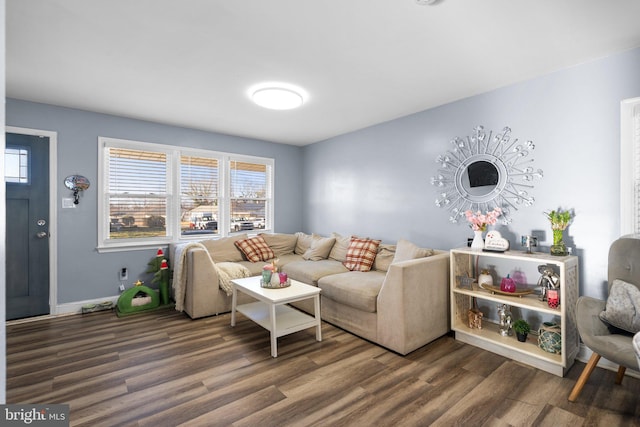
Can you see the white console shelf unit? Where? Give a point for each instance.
(463, 262)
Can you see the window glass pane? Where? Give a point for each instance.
(16, 165)
(248, 195)
(199, 195)
(137, 194)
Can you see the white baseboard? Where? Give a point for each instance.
(67, 309)
(584, 354)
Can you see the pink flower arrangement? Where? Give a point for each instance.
(479, 221)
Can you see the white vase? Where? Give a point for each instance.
(478, 241)
(485, 278)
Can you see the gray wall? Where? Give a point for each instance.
(376, 182)
(85, 274)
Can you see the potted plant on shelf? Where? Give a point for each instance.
(522, 328)
(560, 220)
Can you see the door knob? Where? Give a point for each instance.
(42, 234)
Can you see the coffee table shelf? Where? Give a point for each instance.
(289, 320)
(271, 310)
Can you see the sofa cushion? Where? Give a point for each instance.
(303, 241)
(623, 307)
(361, 254)
(405, 250)
(319, 248)
(384, 258)
(310, 272)
(280, 244)
(255, 249)
(356, 289)
(224, 250)
(340, 247)
(256, 267)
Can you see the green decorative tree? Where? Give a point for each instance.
(160, 269)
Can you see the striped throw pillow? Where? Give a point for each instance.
(255, 249)
(361, 254)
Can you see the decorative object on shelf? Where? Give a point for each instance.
(77, 184)
(475, 316)
(550, 338)
(522, 329)
(553, 298)
(485, 278)
(517, 293)
(465, 282)
(478, 223)
(548, 280)
(160, 269)
(560, 220)
(483, 171)
(528, 242)
(504, 314)
(495, 243)
(478, 242)
(507, 285)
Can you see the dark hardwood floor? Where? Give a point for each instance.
(163, 369)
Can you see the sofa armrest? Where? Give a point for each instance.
(413, 303)
(201, 292)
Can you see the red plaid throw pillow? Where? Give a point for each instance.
(255, 249)
(361, 254)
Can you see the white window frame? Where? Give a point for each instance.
(174, 234)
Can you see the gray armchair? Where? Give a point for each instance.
(624, 264)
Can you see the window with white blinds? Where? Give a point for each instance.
(630, 167)
(199, 195)
(249, 184)
(137, 193)
(153, 193)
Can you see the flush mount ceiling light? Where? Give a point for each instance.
(277, 96)
(426, 2)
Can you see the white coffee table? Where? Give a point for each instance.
(271, 311)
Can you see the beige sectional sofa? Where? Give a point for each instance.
(401, 303)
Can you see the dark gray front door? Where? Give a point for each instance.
(27, 232)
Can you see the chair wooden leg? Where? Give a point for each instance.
(584, 376)
(621, 371)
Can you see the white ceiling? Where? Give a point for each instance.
(190, 62)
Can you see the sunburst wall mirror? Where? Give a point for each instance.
(483, 171)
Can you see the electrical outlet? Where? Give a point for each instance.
(121, 287)
(124, 274)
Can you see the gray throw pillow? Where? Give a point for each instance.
(405, 250)
(623, 307)
(319, 249)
